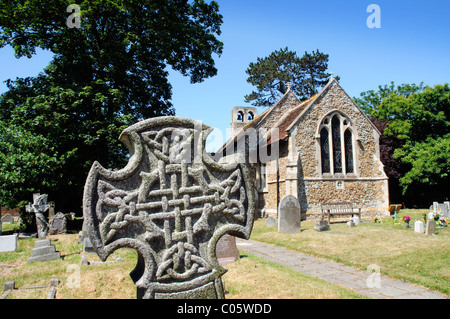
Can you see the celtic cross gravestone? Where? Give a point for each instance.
(171, 203)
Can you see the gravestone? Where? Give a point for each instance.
(171, 203)
(43, 250)
(321, 225)
(431, 227)
(39, 207)
(51, 210)
(226, 250)
(8, 243)
(58, 224)
(270, 222)
(87, 246)
(418, 227)
(444, 208)
(289, 215)
(7, 219)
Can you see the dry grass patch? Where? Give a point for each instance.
(255, 278)
(400, 252)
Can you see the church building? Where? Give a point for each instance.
(322, 150)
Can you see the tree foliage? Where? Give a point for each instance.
(104, 76)
(271, 76)
(417, 122)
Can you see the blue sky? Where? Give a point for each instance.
(412, 46)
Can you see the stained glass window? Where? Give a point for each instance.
(325, 150)
(348, 144)
(337, 150)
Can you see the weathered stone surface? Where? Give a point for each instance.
(289, 215)
(171, 203)
(226, 250)
(58, 224)
(43, 250)
(39, 207)
(8, 243)
(321, 225)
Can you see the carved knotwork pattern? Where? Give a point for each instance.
(173, 204)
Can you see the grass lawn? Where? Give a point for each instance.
(399, 252)
(250, 277)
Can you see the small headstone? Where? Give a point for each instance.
(351, 223)
(289, 215)
(418, 227)
(43, 250)
(7, 219)
(356, 220)
(226, 250)
(321, 225)
(445, 209)
(51, 210)
(87, 246)
(431, 227)
(58, 224)
(9, 285)
(270, 222)
(8, 243)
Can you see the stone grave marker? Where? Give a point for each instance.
(289, 215)
(7, 219)
(444, 208)
(43, 249)
(51, 210)
(226, 250)
(321, 225)
(8, 243)
(58, 224)
(431, 227)
(39, 207)
(418, 227)
(171, 203)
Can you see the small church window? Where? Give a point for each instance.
(240, 117)
(250, 116)
(348, 145)
(325, 150)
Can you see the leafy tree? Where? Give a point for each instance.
(105, 75)
(421, 121)
(416, 133)
(272, 74)
(369, 101)
(23, 156)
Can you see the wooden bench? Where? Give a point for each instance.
(331, 209)
(394, 208)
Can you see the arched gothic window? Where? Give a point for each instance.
(336, 145)
(325, 150)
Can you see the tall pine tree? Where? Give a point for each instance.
(271, 75)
